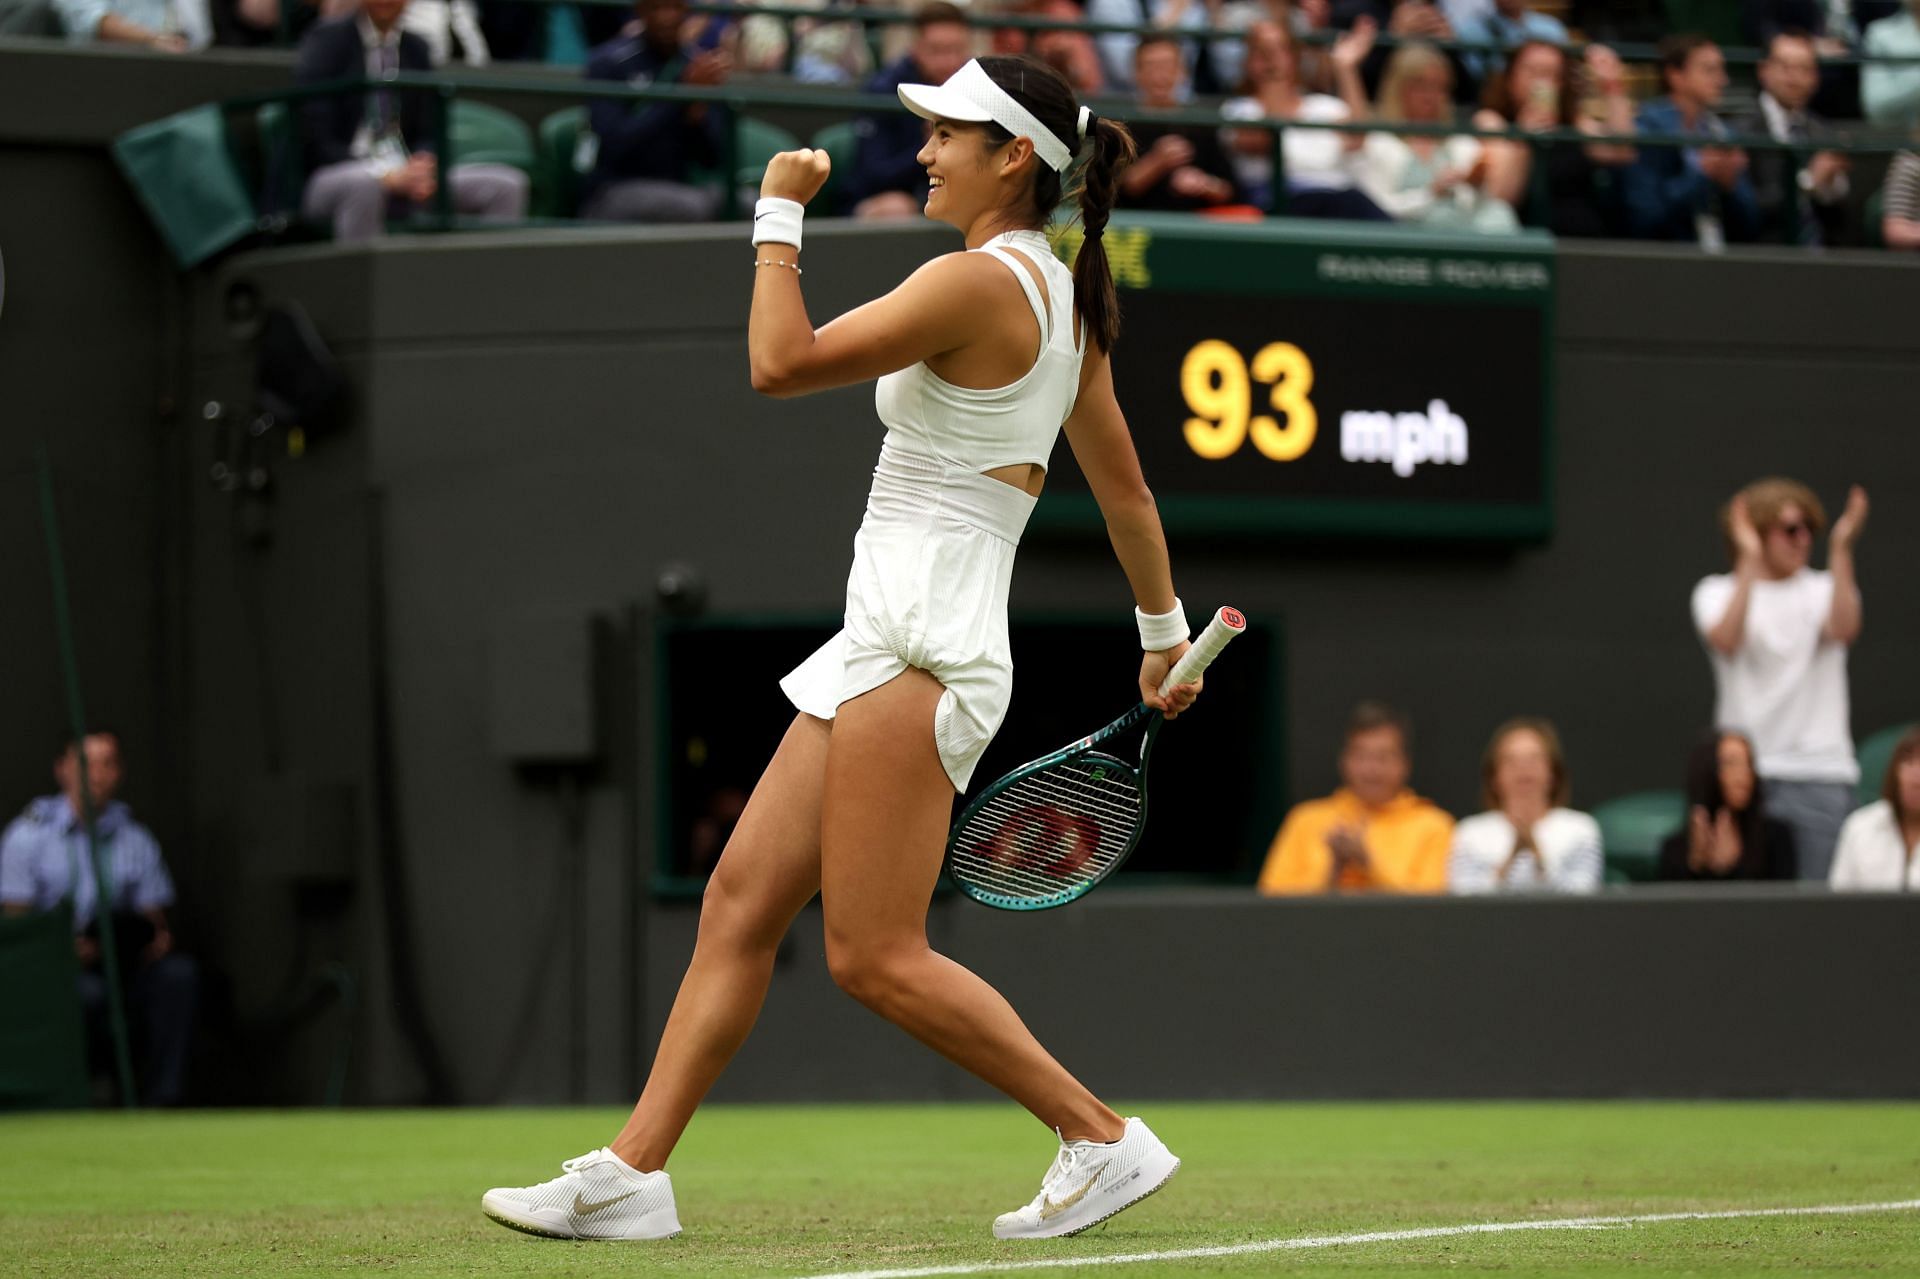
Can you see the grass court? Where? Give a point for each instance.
(809, 1190)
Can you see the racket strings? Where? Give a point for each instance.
(1050, 834)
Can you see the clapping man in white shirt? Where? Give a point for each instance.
(1777, 633)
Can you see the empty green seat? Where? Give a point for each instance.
(1632, 828)
(755, 142)
(1874, 755)
(480, 134)
(563, 163)
(840, 142)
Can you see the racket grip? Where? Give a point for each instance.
(1226, 624)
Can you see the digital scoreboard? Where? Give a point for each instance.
(1292, 377)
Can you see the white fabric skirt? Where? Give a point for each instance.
(931, 567)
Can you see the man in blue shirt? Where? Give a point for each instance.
(887, 179)
(647, 150)
(1695, 193)
(43, 861)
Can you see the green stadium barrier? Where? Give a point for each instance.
(43, 1052)
(1874, 755)
(1632, 828)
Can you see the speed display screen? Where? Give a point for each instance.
(1292, 381)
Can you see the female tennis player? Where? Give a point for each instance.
(895, 710)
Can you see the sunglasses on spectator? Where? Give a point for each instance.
(1795, 530)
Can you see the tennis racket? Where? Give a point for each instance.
(1049, 831)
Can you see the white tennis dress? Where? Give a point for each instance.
(934, 555)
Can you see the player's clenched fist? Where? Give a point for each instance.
(796, 175)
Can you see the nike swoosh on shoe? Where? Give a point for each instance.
(582, 1208)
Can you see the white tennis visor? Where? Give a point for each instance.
(970, 95)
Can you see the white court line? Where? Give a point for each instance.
(1376, 1236)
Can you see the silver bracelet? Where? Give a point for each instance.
(778, 262)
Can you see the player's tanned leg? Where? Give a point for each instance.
(883, 829)
(770, 869)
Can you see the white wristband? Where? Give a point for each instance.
(1161, 631)
(777, 221)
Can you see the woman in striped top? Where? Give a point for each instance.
(1900, 219)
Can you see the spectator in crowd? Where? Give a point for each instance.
(1506, 24)
(1834, 27)
(1071, 53)
(1528, 839)
(1900, 198)
(1438, 182)
(369, 154)
(1319, 169)
(1536, 94)
(1372, 833)
(647, 151)
(1406, 20)
(1698, 193)
(1801, 197)
(888, 180)
(1878, 843)
(1777, 633)
(824, 51)
(44, 861)
(1181, 166)
(1728, 834)
(1890, 92)
(1119, 51)
(165, 26)
(448, 26)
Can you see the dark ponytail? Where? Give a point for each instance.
(1110, 148)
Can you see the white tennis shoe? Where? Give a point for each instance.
(1090, 1181)
(597, 1196)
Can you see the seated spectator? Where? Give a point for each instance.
(447, 26)
(1777, 633)
(888, 181)
(368, 155)
(1438, 182)
(1801, 197)
(1900, 214)
(1528, 839)
(1507, 24)
(44, 862)
(647, 151)
(823, 51)
(1318, 163)
(1371, 834)
(165, 26)
(1071, 53)
(1890, 92)
(1834, 27)
(1536, 94)
(1119, 51)
(1728, 834)
(1181, 167)
(1878, 843)
(1699, 193)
